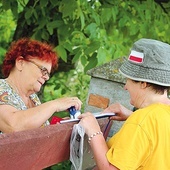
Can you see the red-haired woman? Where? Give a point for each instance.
(26, 67)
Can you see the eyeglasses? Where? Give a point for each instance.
(43, 70)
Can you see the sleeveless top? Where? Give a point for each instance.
(8, 96)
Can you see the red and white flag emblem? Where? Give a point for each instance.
(136, 57)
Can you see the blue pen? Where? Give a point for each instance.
(72, 111)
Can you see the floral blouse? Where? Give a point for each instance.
(8, 96)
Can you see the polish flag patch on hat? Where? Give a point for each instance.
(136, 57)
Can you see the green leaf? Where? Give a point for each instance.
(55, 24)
(101, 55)
(57, 86)
(82, 19)
(14, 8)
(114, 12)
(134, 29)
(122, 22)
(106, 15)
(35, 14)
(43, 3)
(92, 47)
(61, 52)
(77, 56)
(83, 60)
(68, 8)
(6, 4)
(68, 46)
(63, 91)
(42, 22)
(91, 28)
(28, 13)
(50, 30)
(54, 2)
(148, 15)
(2, 53)
(92, 62)
(45, 35)
(96, 17)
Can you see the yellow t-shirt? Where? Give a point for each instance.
(143, 142)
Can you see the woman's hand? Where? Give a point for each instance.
(66, 102)
(89, 122)
(122, 113)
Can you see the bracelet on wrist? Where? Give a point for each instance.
(93, 135)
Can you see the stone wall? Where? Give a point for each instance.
(107, 87)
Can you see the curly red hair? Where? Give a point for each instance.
(29, 48)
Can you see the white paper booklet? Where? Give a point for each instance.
(97, 116)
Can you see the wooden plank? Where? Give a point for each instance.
(38, 148)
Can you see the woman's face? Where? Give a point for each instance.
(36, 72)
(134, 90)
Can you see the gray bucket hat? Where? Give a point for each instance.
(149, 61)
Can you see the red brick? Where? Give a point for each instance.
(98, 101)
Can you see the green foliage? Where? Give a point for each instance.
(109, 29)
(93, 30)
(63, 84)
(7, 28)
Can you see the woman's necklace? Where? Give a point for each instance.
(28, 101)
(10, 82)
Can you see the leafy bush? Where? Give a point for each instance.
(72, 83)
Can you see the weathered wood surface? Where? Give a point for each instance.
(38, 148)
